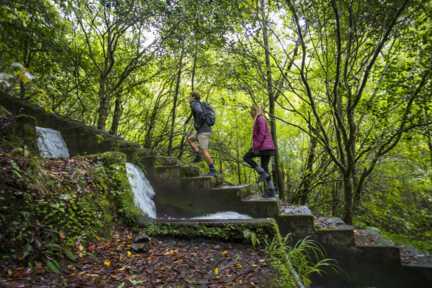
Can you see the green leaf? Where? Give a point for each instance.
(70, 255)
(53, 266)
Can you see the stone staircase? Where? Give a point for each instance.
(182, 192)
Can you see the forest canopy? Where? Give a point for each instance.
(346, 87)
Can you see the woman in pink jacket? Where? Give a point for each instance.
(263, 147)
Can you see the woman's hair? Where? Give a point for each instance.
(195, 95)
(256, 110)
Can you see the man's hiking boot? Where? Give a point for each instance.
(197, 158)
(211, 173)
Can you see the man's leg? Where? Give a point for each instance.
(192, 140)
(203, 140)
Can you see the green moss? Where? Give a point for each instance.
(4, 113)
(41, 209)
(112, 178)
(255, 233)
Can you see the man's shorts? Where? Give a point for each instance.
(202, 139)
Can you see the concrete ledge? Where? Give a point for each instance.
(342, 236)
(260, 207)
(198, 183)
(382, 254)
(189, 171)
(167, 172)
(421, 271)
(299, 226)
(227, 230)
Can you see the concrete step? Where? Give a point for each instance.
(189, 171)
(167, 172)
(333, 231)
(241, 191)
(198, 197)
(198, 183)
(259, 207)
(166, 161)
(295, 220)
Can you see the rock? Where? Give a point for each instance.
(296, 210)
(142, 238)
(140, 247)
(141, 243)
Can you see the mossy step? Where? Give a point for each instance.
(228, 230)
(240, 190)
(167, 172)
(189, 171)
(198, 182)
(260, 207)
(166, 161)
(298, 225)
(340, 236)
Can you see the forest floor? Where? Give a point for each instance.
(167, 263)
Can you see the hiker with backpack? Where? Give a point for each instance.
(263, 147)
(204, 117)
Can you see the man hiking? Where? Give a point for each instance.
(204, 117)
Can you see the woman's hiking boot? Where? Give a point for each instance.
(264, 176)
(270, 192)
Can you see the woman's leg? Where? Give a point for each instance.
(265, 159)
(248, 159)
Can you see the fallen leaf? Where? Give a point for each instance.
(216, 271)
(107, 263)
(91, 247)
(129, 253)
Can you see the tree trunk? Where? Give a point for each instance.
(194, 61)
(348, 196)
(307, 173)
(118, 110)
(103, 106)
(335, 198)
(276, 169)
(174, 109)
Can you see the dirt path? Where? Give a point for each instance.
(168, 263)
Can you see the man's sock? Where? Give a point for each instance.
(211, 167)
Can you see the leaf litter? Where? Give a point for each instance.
(168, 263)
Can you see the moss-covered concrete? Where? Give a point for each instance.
(258, 231)
(18, 132)
(80, 139)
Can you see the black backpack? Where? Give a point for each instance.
(209, 115)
